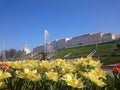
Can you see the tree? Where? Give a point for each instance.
(118, 46)
(19, 54)
(4, 54)
(12, 52)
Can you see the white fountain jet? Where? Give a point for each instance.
(4, 53)
(48, 49)
(46, 40)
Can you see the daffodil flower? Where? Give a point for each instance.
(4, 75)
(28, 74)
(72, 81)
(52, 76)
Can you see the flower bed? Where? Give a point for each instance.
(80, 74)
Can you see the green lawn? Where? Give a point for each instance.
(105, 52)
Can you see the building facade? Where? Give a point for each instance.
(26, 49)
(107, 37)
(82, 40)
(38, 49)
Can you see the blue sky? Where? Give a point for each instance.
(24, 21)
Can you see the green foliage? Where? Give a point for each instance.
(118, 46)
(105, 52)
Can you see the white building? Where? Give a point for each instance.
(92, 38)
(76, 41)
(62, 43)
(107, 37)
(26, 49)
(38, 49)
(96, 37)
(87, 39)
(117, 36)
(82, 40)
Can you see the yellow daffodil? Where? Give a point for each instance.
(100, 73)
(45, 65)
(15, 65)
(95, 75)
(23, 64)
(4, 75)
(67, 68)
(26, 70)
(77, 62)
(28, 74)
(94, 63)
(29, 64)
(72, 80)
(2, 85)
(52, 76)
(97, 81)
(75, 73)
(57, 62)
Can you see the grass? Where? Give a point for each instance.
(105, 52)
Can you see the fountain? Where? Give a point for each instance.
(44, 54)
(3, 53)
